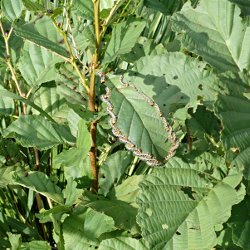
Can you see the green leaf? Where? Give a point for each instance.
(40, 183)
(48, 98)
(32, 6)
(174, 81)
(75, 160)
(122, 243)
(28, 32)
(6, 174)
(12, 10)
(113, 170)
(120, 204)
(166, 8)
(5, 93)
(235, 115)
(6, 104)
(240, 224)
(35, 131)
(215, 31)
(35, 245)
(37, 64)
(46, 28)
(137, 121)
(71, 193)
(15, 240)
(89, 225)
(123, 213)
(124, 38)
(179, 206)
(244, 5)
(84, 8)
(204, 123)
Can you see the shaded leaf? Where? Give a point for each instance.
(28, 32)
(84, 8)
(113, 169)
(244, 5)
(240, 224)
(5, 93)
(35, 245)
(71, 193)
(12, 10)
(75, 160)
(124, 37)
(174, 81)
(40, 183)
(6, 104)
(120, 204)
(35, 131)
(221, 39)
(89, 225)
(235, 114)
(167, 8)
(32, 6)
(37, 64)
(48, 98)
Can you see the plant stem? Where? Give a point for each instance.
(92, 152)
(72, 60)
(6, 37)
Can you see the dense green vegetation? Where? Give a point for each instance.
(124, 124)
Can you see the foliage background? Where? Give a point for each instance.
(192, 58)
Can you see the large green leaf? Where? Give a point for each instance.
(35, 131)
(215, 31)
(12, 9)
(181, 205)
(119, 204)
(40, 183)
(37, 64)
(137, 121)
(124, 37)
(28, 32)
(5, 93)
(240, 224)
(113, 169)
(6, 104)
(46, 28)
(75, 160)
(173, 81)
(235, 114)
(122, 243)
(48, 98)
(83, 228)
(84, 8)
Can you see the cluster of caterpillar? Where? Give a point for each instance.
(147, 157)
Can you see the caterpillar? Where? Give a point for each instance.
(145, 156)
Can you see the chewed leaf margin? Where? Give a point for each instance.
(145, 156)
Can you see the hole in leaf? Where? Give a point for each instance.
(175, 77)
(178, 233)
(188, 191)
(200, 86)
